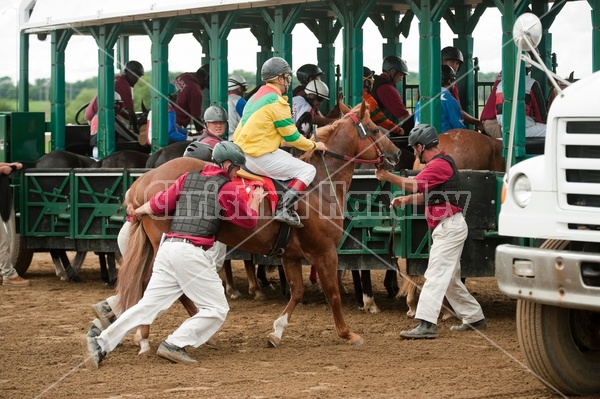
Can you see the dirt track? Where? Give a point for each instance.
(41, 330)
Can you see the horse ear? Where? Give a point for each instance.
(363, 109)
(144, 109)
(571, 78)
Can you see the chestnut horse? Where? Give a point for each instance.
(350, 140)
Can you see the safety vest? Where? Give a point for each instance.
(447, 191)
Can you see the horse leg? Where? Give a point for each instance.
(230, 289)
(390, 282)
(327, 272)
(253, 286)
(62, 254)
(103, 268)
(141, 338)
(368, 299)
(78, 260)
(261, 275)
(409, 289)
(358, 291)
(292, 275)
(112, 268)
(285, 288)
(58, 267)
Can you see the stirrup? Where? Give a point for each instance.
(290, 218)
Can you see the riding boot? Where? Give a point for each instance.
(285, 212)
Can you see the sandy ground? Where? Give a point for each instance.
(41, 330)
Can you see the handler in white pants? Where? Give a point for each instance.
(436, 186)
(199, 202)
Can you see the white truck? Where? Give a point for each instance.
(555, 199)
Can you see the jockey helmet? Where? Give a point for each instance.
(198, 150)
(308, 71)
(368, 73)
(228, 150)
(394, 62)
(423, 134)
(135, 68)
(318, 88)
(215, 113)
(235, 82)
(273, 68)
(452, 53)
(448, 75)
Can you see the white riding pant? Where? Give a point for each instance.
(179, 268)
(281, 165)
(443, 274)
(532, 128)
(6, 268)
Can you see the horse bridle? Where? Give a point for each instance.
(381, 159)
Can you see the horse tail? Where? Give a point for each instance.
(6, 203)
(137, 265)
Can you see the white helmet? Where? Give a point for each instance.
(317, 87)
(236, 81)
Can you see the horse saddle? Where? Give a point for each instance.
(248, 181)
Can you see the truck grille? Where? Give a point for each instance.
(581, 164)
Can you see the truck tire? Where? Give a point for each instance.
(20, 256)
(562, 346)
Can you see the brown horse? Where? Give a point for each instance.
(470, 150)
(350, 140)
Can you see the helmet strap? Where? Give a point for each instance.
(230, 167)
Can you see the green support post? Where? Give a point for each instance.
(60, 39)
(326, 31)
(264, 37)
(161, 32)
(106, 37)
(217, 30)
(23, 72)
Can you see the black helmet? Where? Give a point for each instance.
(448, 75)
(198, 150)
(368, 73)
(423, 134)
(228, 150)
(274, 67)
(394, 62)
(452, 53)
(307, 71)
(134, 67)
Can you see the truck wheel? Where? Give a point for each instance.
(20, 256)
(562, 346)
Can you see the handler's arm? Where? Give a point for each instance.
(404, 183)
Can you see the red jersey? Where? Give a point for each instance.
(436, 172)
(390, 99)
(189, 99)
(122, 87)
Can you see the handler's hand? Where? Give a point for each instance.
(382, 174)
(400, 201)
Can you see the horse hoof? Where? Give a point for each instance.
(144, 347)
(374, 309)
(212, 343)
(357, 341)
(411, 313)
(260, 296)
(235, 294)
(273, 340)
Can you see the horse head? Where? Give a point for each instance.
(356, 139)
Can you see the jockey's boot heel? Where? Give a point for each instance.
(285, 212)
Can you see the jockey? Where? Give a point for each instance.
(451, 113)
(176, 132)
(216, 123)
(376, 114)
(315, 93)
(384, 88)
(236, 87)
(306, 73)
(453, 57)
(266, 123)
(535, 115)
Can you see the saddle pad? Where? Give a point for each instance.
(247, 186)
